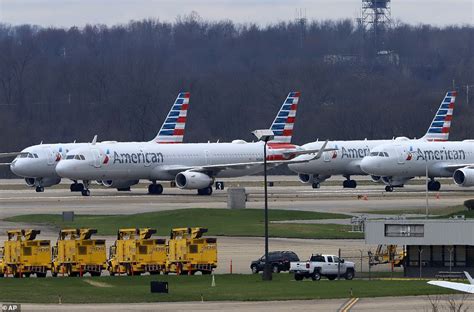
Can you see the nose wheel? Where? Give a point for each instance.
(85, 191)
(76, 187)
(434, 186)
(155, 189)
(316, 185)
(388, 188)
(349, 183)
(39, 189)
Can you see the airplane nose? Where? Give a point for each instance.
(19, 168)
(64, 169)
(367, 165)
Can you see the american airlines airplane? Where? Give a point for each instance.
(346, 159)
(417, 158)
(190, 165)
(37, 164)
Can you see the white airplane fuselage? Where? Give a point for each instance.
(412, 158)
(343, 161)
(153, 161)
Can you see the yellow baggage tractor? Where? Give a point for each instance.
(24, 255)
(135, 252)
(76, 253)
(189, 252)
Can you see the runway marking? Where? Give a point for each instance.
(348, 305)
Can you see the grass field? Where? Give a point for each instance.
(190, 288)
(222, 222)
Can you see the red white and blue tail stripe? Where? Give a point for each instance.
(441, 124)
(172, 130)
(282, 126)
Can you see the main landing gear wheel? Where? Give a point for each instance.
(349, 184)
(388, 188)
(434, 186)
(316, 185)
(86, 193)
(155, 189)
(39, 189)
(205, 191)
(76, 187)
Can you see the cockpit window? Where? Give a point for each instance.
(36, 155)
(386, 154)
(82, 157)
(70, 156)
(374, 154)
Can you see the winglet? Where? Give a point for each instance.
(441, 124)
(282, 126)
(321, 151)
(172, 130)
(94, 140)
(471, 281)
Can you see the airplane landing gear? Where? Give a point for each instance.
(76, 187)
(205, 191)
(316, 185)
(388, 188)
(349, 183)
(155, 189)
(85, 191)
(39, 189)
(434, 186)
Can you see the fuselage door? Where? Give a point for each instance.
(400, 154)
(51, 156)
(96, 155)
(208, 160)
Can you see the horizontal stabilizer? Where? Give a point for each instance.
(467, 288)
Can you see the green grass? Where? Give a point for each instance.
(222, 222)
(190, 288)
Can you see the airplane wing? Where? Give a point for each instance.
(214, 169)
(12, 154)
(456, 286)
(5, 164)
(458, 166)
(468, 288)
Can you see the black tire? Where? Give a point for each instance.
(298, 277)
(254, 269)
(206, 272)
(331, 277)
(40, 275)
(316, 276)
(349, 275)
(95, 273)
(388, 188)
(39, 189)
(86, 193)
(275, 269)
(353, 184)
(316, 185)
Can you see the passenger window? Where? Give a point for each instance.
(330, 259)
(336, 259)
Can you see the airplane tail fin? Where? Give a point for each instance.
(172, 130)
(282, 126)
(470, 279)
(441, 124)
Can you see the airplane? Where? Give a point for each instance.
(190, 165)
(467, 288)
(346, 159)
(417, 158)
(37, 164)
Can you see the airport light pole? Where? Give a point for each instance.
(265, 136)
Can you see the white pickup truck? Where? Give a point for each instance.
(322, 265)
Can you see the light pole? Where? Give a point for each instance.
(265, 136)
(426, 191)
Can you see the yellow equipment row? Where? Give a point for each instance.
(134, 252)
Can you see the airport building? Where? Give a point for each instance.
(433, 247)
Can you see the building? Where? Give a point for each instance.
(444, 245)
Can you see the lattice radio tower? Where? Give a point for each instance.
(376, 17)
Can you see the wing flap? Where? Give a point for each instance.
(455, 286)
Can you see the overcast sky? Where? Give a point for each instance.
(68, 13)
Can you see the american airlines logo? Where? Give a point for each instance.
(138, 158)
(354, 153)
(440, 155)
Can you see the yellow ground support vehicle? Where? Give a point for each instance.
(76, 253)
(24, 255)
(2, 267)
(189, 252)
(135, 252)
(387, 254)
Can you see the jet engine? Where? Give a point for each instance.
(119, 184)
(305, 178)
(44, 182)
(193, 180)
(464, 177)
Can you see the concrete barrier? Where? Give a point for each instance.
(236, 198)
